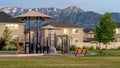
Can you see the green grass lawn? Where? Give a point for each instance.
(107, 60)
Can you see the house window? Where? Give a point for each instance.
(49, 31)
(76, 40)
(12, 26)
(75, 31)
(66, 31)
(16, 37)
(92, 35)
(116, 31)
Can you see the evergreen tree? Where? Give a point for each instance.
(105, 31)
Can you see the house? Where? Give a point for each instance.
(88, 34)
(16, 26)
(62, 29)
(117, 35)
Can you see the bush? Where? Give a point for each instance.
(72, 48)
(91, 48)
(97, 48)
(2, 43)
(12, 42)
(58, 48)
(78, 48)
(9, 49)
(84, 47)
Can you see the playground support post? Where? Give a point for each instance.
(62, 47)
(25, 43)
(49, 39)
(40, 38)
(67, 44)
(55, 40)
(47, 45)
(37, 28)
(29, 37)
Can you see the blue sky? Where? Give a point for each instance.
(100, 6)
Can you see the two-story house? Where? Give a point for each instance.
(74, 33)
(16, 26)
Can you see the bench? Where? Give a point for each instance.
(81, 51)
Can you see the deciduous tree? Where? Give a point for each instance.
(105, 31)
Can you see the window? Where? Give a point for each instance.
(49, 31)
(66, 31)
(16, 37)
(76, 40)
(92, 36)
(75, 31)
(12, 26)
(116, 31)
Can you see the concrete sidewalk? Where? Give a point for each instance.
(20, 55)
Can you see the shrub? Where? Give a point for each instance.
(97, 48)
(12, 42)
(84, 47)
(58, 48)
(72, 48)
(78, 48)
(91, 48)
(2, 43)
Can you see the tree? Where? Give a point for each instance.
(5, 38)
(105, 31)
(6, 34)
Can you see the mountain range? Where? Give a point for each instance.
(72, 14)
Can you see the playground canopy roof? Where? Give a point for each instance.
(33, 15)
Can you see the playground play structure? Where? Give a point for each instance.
(46, 42)
(38, 44)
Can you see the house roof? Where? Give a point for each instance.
(118, 25)
(88, 30)
(62, 24)
(117, 35)
(5, 18)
